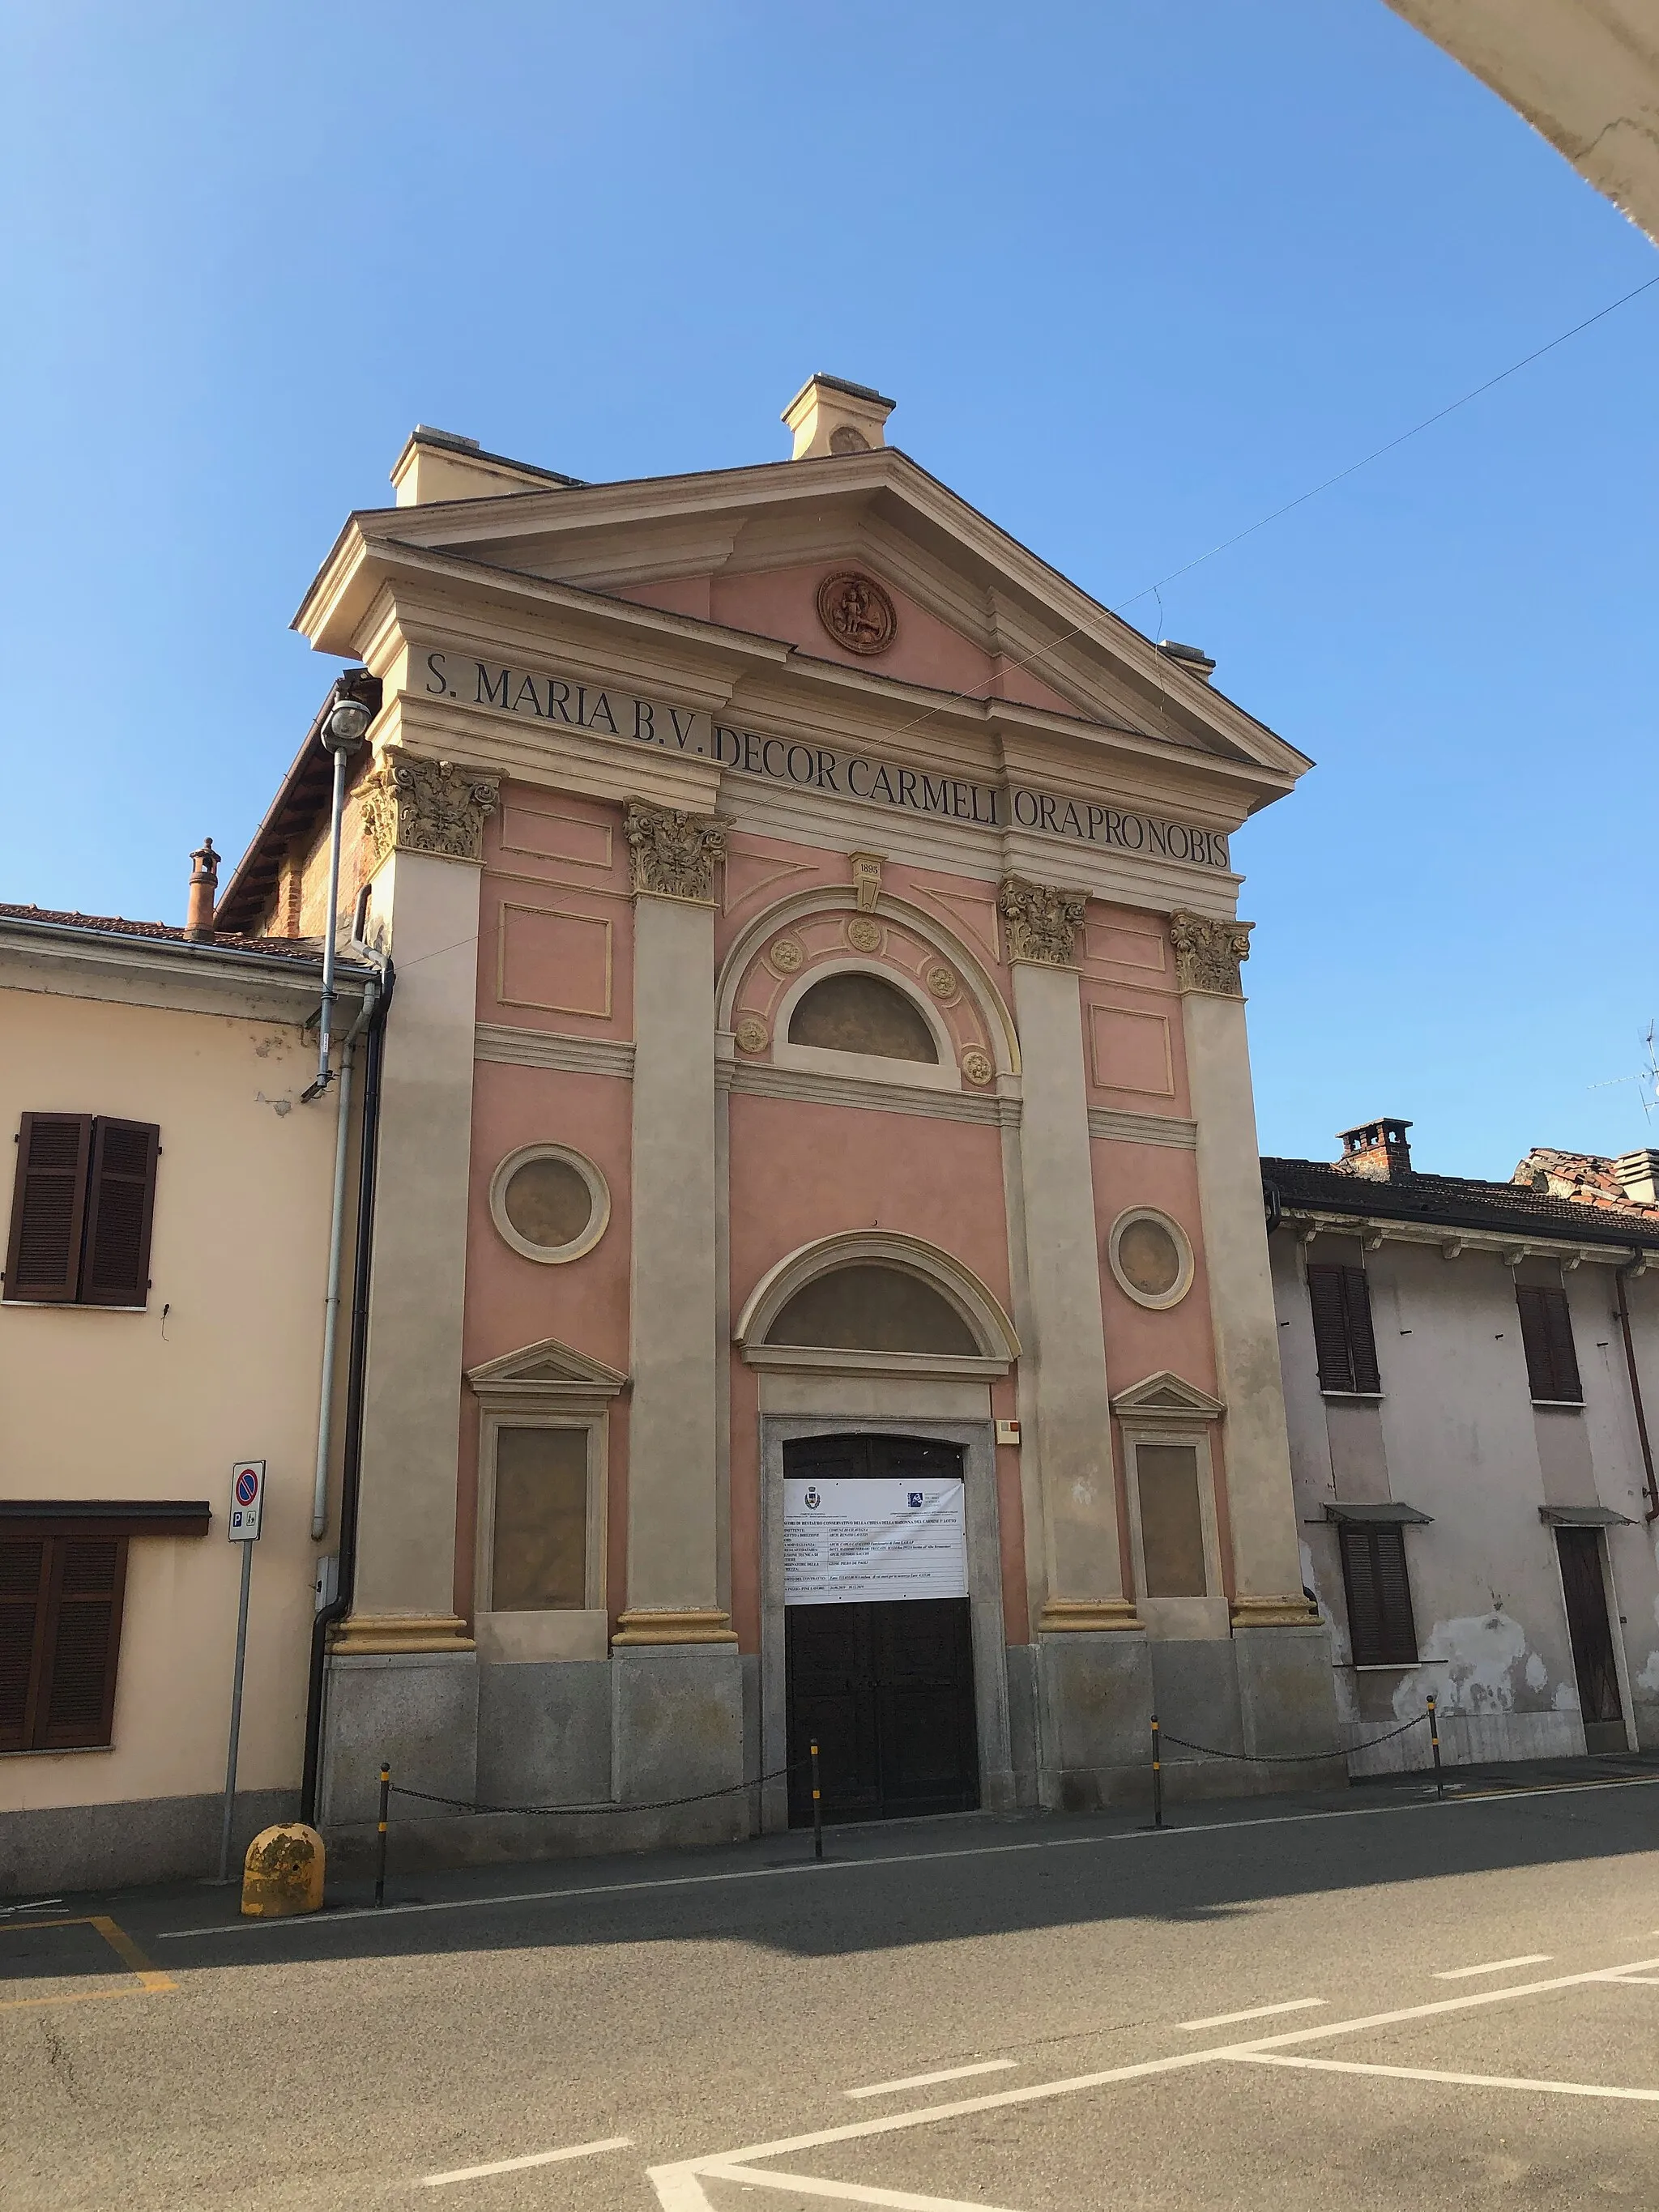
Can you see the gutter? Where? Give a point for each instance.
(261, 963)
(351, 1470)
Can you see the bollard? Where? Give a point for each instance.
(379, 1841)
(283, 1872)
(1157, 1779)
(818, 1806)
(1434, 1743)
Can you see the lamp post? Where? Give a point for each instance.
(344, 725)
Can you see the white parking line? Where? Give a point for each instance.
(811, 2185)
(1494, 1966)
(817, 1869)
(1434, 2073)
(926, 2080)
(679, 2188)
(518, 2165)
(1255, 2012)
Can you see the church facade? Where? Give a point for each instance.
(819, 1289)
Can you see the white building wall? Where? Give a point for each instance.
(1455, 1434)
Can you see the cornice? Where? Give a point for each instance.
(1512, 1246)
(1143, 1128)
(760, 1080)
(572, 1055)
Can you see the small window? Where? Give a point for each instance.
(81, 1207)
(1150, 1258)
(60, 1635)
(1547, 1334)
(873, 1308)
(1343, 1338)
(857, 1012)
(1172, 1521)
(1380, 1624)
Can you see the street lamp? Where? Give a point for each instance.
(341, 729)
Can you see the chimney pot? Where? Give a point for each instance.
(1638, 1175)
(1378, 1149)
(203, 888)
(830, 415)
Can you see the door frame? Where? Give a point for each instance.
(1615, 1625)
(977, 1440)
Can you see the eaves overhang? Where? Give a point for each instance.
(1605, 1248)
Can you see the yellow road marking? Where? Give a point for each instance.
(150, 1979)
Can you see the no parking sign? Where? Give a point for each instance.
(247, 1497)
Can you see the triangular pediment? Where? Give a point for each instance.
(548, 1369)
(1167, 1393)
(740, 553)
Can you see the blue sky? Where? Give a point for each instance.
(1135, 273)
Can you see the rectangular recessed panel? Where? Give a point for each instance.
(553, 836)
(556, 960)
(1115, 947)
(540, 1562)
(1131, 1052)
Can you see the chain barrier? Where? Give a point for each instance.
(657, 1805)
(1291, 1758)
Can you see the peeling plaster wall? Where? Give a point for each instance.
(1460, 1439)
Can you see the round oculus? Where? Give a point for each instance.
(550, 1203)
(1151, 1257)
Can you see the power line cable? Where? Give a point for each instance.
(1353, 468)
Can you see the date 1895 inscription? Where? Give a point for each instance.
(609, 713)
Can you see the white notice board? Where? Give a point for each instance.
(869, 1537)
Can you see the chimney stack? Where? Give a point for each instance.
(830, 415)
(1638, 1176)
(1378, 1149)
(203, 888)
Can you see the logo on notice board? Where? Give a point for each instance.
(811, 1498)
(915, 1496)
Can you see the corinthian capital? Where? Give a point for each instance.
(414, 805)
(1208, 954)
(670, 854)
(1041, 923)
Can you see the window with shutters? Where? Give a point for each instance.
(82, 1206)
(1343, 1338)
(60, 1635)
(1547, 1333)
(1380, 1624)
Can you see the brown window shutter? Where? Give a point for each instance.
(24, 1562)
(76, 1698)
(1343, 1336)
(1564, 1385)
(48, 1207)
(1381, 1626)
(1361, 1339)
(121, 1200)
(1330, 1322)
(1547, 1333)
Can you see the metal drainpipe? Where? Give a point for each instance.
(351, 1470)
(336, 1239)
(1652, 1513)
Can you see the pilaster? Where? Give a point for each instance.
(673, 1568)
(1267, 1559)
(423, 825)
(1062, 1329)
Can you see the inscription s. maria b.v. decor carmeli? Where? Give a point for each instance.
(607, 712)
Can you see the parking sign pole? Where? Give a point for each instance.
(247, 1487)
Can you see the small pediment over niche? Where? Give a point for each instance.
(1166, 1396)
(548, 1373)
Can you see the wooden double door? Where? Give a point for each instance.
(886, 1688)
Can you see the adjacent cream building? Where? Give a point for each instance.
(161, 1318)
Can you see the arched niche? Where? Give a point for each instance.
(873, 1302)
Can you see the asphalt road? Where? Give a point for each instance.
(702, 2018)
